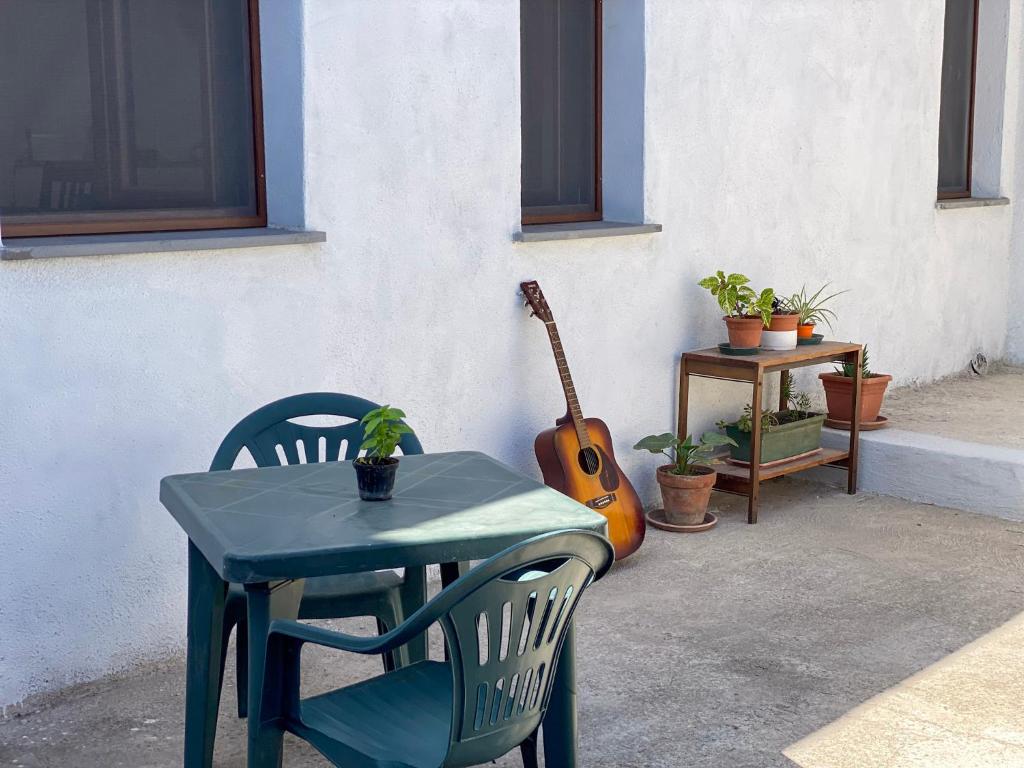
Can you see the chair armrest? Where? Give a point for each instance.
(306, 633)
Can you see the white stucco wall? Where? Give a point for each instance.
(793, 141)
(1014, 165)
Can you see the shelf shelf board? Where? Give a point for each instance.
(729, 474)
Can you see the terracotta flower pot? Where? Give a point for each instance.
(784, 322)
(686, 496)
(805, 331)
(839, 393)
(744, 332)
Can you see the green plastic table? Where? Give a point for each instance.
(270, 528)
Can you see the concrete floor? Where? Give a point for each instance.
(978, 409)
(717, 650)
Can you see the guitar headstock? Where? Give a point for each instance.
(536, 301)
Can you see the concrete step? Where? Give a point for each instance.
(916, 466)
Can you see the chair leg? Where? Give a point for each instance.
(529, 751)
(388, 658)
(242, 667)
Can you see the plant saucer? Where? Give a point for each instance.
(728, 349)
(656, 517)
(815, 339)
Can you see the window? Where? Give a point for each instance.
(561, 107)
(956, 111)
(130, 116)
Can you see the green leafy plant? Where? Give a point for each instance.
(846, 369)
(737, 298)
(382, 431)
(686, 452)
(811, 308)
(745, 423)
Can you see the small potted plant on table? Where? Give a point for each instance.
(839, 394)
(811, 310)
(746, 311)
(685, 485)
(785, 435)
(375, 472)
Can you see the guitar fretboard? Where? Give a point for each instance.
(567, 386)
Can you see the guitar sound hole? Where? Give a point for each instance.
(589, 461)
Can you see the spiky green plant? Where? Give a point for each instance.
(811, 308)
(847, 369)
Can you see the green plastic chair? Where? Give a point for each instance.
(383, 594)
(504, 624)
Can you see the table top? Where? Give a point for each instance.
(826, 350)
(303, 520)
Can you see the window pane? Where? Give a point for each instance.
(957, 85)
(558, 106)
(121, 109)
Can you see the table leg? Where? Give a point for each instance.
(851, 463)
(207, 593)
(450, 573)
(265, 603)
(684, 399)
(560, 726)
(755, 448)
(784, 378)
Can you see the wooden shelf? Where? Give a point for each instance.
(713, 364)
(734, 478)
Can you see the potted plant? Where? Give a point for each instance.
(811, 310)
(746, 311)
(781, 330)
(839, 391)
(685, 485)
(793, 432)
(375, 472)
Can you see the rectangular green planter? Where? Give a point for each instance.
(781, 442)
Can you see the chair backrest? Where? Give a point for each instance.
(504, 623)
(268, 428)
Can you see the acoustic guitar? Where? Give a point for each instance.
(576, 456)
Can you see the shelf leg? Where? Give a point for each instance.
(684, 399)
(755, 448)
(783, 384)
(851, 469)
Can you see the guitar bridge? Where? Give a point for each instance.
(601, 501)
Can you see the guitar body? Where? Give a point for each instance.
(593, 479)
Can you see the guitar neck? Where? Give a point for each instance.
(572, 401)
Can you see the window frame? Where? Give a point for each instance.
(123, 222)
(597, 214)
(966, 193)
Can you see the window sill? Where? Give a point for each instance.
(970, 202)
(22, 248)
(535, 233)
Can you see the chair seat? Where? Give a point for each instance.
(399, 720)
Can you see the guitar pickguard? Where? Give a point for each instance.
(609, 477)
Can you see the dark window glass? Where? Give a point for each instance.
(956, 113)
(560, 100)
(127, 115)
